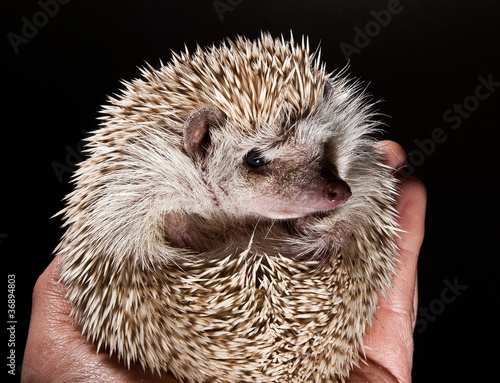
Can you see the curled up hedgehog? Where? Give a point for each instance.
(233, 221)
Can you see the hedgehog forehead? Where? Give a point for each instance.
(253, 82)
(300, 140)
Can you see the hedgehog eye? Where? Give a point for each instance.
(255, 159)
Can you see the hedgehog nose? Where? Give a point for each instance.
(337, 192)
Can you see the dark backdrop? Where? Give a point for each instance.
(435, 65)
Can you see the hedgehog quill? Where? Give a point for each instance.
(233, 221)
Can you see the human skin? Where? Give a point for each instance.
(56, 351)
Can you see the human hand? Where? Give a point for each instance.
(57, 352)
(389, 343)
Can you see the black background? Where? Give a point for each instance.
(425, 60)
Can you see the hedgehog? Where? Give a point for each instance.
(233, 220)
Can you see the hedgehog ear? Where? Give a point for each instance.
(197, 131)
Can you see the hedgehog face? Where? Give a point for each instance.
(293, 186)
(276, 171)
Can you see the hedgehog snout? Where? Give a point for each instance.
(337, 192)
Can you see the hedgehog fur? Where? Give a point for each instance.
(267, 286)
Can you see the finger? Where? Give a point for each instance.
(53, 329)
(48, 291)
(394, 155)
(390, 339)
(411, 205)
(49, 314)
